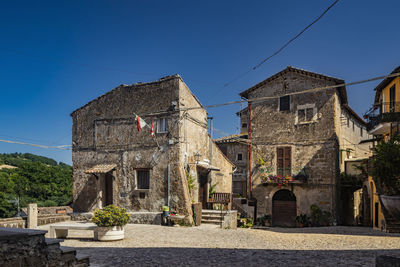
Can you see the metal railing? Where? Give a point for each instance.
(383, 112)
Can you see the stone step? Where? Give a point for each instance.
(82, 260)
(211, 216)
(68, 255)
(213, 212)
(211, 222)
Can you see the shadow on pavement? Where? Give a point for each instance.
(112, 256)
(332, 230)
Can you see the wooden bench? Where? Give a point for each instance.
(61, 230)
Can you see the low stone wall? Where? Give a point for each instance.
(145, 217)
(20, 222)
(51, 210)
(17, 222)
(230, 220)
(48, 219)
(135, 217)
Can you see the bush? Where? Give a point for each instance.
(110, 216)
(386, 167)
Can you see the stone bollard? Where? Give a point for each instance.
(32, 221)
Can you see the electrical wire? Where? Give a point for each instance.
(62, 147)
(282, 47)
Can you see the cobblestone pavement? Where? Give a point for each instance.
(207, 245)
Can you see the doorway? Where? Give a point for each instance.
(108, 192)
(203, 189)
(284, 208)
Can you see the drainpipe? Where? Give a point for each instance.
(250, 148)
(211, 146)
(169, 183)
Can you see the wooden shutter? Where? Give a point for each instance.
(143, 179)
(284, 103)
(284, 161)
(287, 161)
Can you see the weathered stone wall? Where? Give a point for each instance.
(314, 144)
(105, 132)
(196, 140)
(233, 149)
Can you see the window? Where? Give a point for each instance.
(284, 161)
(353, 126)
(348, 122)
(244, 125)
(284, 103)
(142, 179)
(392, 95)
(162, 125)
(239, 156)
(361, 131)
(306, 113)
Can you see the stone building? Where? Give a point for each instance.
(299, 140)
(236, 148)
(114, 163)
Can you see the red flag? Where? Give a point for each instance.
(152, 128)
(138, 123)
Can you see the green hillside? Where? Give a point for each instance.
(35, 179)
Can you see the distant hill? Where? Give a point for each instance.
(35, 179)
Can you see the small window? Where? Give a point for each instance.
(239, 156)
(142, 179)
(361, 131)
(348, 122)
(244, 125)
(353, 126)
(162, 125)
(305, 115)
(284, 103)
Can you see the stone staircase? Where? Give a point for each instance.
(392, 225)
(27, 247)
(212, 217)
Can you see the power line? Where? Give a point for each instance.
(294, 38)
(283, 47)
(62, 147)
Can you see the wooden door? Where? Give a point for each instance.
(108, 189)
(284, 208)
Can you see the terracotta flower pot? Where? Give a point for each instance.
(392, 205)
(112, 233)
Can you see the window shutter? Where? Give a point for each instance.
(279, 164)
(287, 161)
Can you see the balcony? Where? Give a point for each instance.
(380, 117)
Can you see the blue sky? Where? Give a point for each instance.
(58, 55)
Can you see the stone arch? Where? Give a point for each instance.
(284, 208)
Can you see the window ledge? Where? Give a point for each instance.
(305, 122)
(141, 190)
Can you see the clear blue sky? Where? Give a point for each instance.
(58, 55)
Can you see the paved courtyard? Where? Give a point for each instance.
(207, 245)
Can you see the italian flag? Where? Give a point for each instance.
(140, 123)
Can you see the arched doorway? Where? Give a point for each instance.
(284, 209)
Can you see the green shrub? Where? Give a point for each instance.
(110, 216)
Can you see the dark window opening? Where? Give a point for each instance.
(244, 125)
(284, 103)
(143, 179)
(392, 98)
(284, 158)
(240, 156)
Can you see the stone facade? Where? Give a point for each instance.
(105, 134)
(236, 148)
(299, 135)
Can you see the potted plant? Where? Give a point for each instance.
(302, 220)
(110, 221)
(386, 174)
